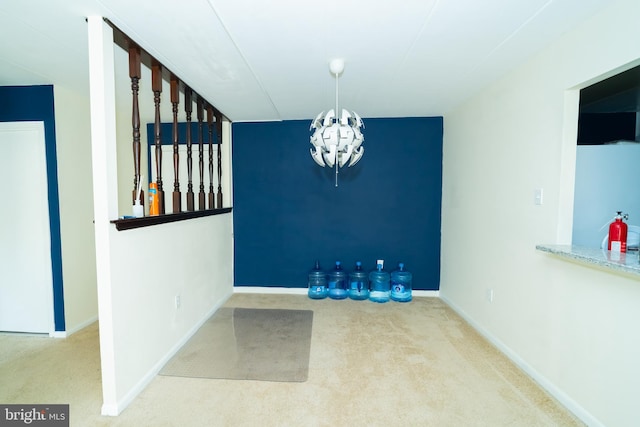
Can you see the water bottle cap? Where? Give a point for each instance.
(358, 263)
(401, 266)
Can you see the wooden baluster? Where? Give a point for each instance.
(212, 204)
(188, 108)
(156, 86)
(134, 74)
(175, 100)
(201, 195)
(219, 138)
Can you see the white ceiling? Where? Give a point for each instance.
(268, 60)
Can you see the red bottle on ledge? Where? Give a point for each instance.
(618, 234)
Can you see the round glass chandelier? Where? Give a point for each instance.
(337, 140)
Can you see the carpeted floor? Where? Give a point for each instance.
(247, 344)
(414, 364)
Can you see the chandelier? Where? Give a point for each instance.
(337, 140)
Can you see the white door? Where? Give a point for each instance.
(26, 283)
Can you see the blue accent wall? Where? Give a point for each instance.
(166, 134)
(288, 213)
(35, 103)
(166, 138)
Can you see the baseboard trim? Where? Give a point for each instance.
(110, 410)
(430, 294)
(115, 410)
(79, 327)
(303, 291)
(544, 382)
(268, 290)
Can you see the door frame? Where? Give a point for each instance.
(41, 307)
(36, 103)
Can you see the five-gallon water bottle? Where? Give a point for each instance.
(401, 284)
(317, 283)
(379, 285)
(358, 283)
(337, 280)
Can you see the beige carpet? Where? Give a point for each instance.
(386, 365)
(248, 344)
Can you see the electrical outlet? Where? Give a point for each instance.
(178, 301)
(490, 295)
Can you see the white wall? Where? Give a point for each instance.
(570, 326)
(149, 268)
(73, 148)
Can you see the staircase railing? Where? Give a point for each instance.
(207, 204)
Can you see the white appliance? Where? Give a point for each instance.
(607, 181)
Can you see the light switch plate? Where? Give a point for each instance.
(537, 196)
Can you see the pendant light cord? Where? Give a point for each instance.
(337, 120)
(337, 81)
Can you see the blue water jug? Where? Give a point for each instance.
(401, 284)
(379, 285)
(358, 283)
(337, 281)
(317, 283)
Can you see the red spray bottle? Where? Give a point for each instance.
(618, 233)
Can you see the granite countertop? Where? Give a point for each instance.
(616, 262)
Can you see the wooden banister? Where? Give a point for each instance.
(188, 108)
(134, 74)
(175, 100)
(219, 139)
(201, 196)
(156, 86)
(212, 201)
